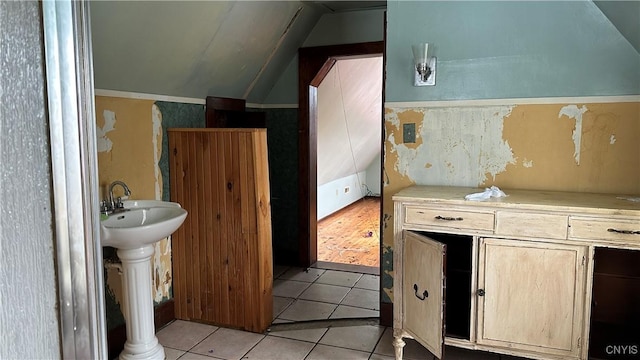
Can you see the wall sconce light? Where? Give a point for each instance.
(424, 65)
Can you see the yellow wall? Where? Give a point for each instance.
(591, 147)
(129, 147)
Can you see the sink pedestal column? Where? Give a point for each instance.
(142, 342)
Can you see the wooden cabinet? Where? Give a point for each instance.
(512, 275)
(222, 256)
(427, 287)
(531, 295)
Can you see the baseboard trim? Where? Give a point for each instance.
(116, 337)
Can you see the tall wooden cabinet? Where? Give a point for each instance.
(543, 275)
(222, 255)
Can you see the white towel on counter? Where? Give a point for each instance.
(492, 192)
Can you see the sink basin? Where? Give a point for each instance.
(144, 223)
(133, 204)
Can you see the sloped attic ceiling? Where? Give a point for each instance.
(199, 48)
(625, 16)
(349, 118)
(194, 49)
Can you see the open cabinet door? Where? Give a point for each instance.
(423, 290)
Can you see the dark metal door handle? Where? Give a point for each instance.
(627, 232)
(480, 292)
(425, 294)
(446, 218)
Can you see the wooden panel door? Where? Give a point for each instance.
(423, 290)
(222, 257)
(531, 296)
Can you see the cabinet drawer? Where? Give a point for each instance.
(548, 226)
(454, 219)
(596, 229)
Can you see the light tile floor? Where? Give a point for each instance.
(299, 295)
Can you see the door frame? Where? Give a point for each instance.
(313, 65)
(74, 173)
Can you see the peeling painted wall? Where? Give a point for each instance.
(129, 148)
(590, 147)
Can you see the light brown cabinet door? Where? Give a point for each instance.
(423, 292)
(531, 296)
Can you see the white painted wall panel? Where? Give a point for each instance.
(339, 193)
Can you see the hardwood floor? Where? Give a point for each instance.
(352, 235)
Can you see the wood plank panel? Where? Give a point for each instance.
(195, 158)
(208, 236)
(263, 227)
(235, 261)
(224, 267)
(176, 179)
(223, 220)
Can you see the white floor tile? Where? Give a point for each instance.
(344, 311)
(367, 299)
(192, 356)
(172, 354)
(183, 335)
(369, 282)
(326, 352)
(279, 348)
(381, 357)
(280, 304)
(289, 288)
(307, 310)
(299, 274)
(340, 278)
(363, 338)
(227, 344)
(311, 335)
(325, 293)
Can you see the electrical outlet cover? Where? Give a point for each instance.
(409, 133)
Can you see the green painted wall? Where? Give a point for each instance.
(282, 142)
(176, 115)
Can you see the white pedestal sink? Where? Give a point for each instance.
(133, 233)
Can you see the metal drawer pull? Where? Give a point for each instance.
(446, 218)
(628, 232)
(425, 294)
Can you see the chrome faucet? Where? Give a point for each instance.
(116, 204)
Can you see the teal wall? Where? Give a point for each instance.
(521, 49)
(625, 16)
(282, 141)
(176, 115)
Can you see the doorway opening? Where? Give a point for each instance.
(315, 64)
(348, 113)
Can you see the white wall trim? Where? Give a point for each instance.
(272, 106)
(517, 101)
(154, 97)
(393, 104)
(177, 99)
